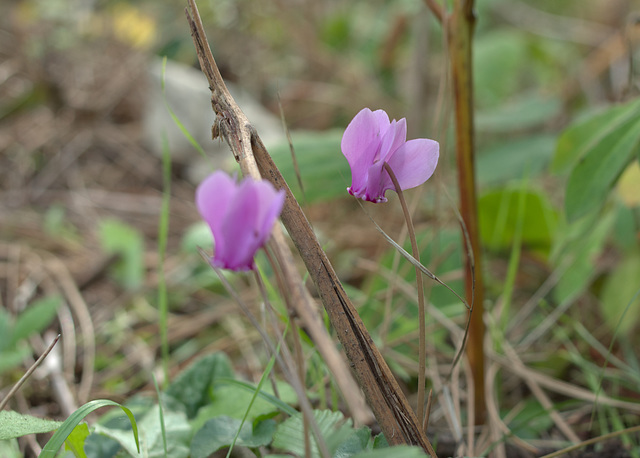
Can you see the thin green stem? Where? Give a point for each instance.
(297, 344)
(283, 361)
(163, 230)
(422, 329)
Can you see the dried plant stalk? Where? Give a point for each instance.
(397, 420)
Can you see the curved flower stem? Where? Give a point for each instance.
(422, 350)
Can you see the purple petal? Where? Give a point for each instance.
(413, 163)
(270, 206)
(375, 183)
(394, 137)
(240, 230)
(213, 197)
(360, 133)
(361, 143)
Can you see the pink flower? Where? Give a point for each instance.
(240, 215)
(370, 140)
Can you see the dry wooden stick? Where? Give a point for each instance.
(398, 422)
(234, 127)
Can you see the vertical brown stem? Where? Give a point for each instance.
(460, 27)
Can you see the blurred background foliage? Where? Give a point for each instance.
(558, 135)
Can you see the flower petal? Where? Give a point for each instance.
(394, 137)
(413, 163)
(361, 144)
(361, 131)
(213, 197)
(240, 230)
(375, 183)
(270, 205)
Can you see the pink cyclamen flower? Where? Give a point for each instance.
(370, 140)
(240, 215)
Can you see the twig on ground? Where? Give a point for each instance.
(389, 404)
(27, 374)
(232, 124)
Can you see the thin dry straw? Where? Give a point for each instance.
(27, 374)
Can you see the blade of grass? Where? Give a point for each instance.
(257, 390)
(175, 118)
(163, 429)
(163, 231)
(51, 448)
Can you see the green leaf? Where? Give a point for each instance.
(619, 301)
(499, 57)
(596, 173)
(587, 132)
(51, 448)
(220, 431)
(75, 441)
(335, 430)
(13, 358)
(11, 449)
(232, 399)
(531, 420)
(127, 242)
(14, 424)
(324, 171)
(499, 217)
(515, 159)
(191, 387)
(177, 430)
(36, 317)
(575, 251)
(524, 112)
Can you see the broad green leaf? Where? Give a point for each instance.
(36, 317)
(499, 57)
(354, 444)
(11, 449)
(498, 213)
(14, 357)
(335, 430)
(191, 387)
(629, 184)
(75, 441)
(177, 430)
(380, 441)
(219, 432)
(127, 242)
(515, 159)
(575, 251)
(625, 228)
(595, 174)
(51, 448)
(14, 424)
(618, 306)
(233, 400)
(587, 132)
(274, 401)
(524, 112)
(324, 171)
